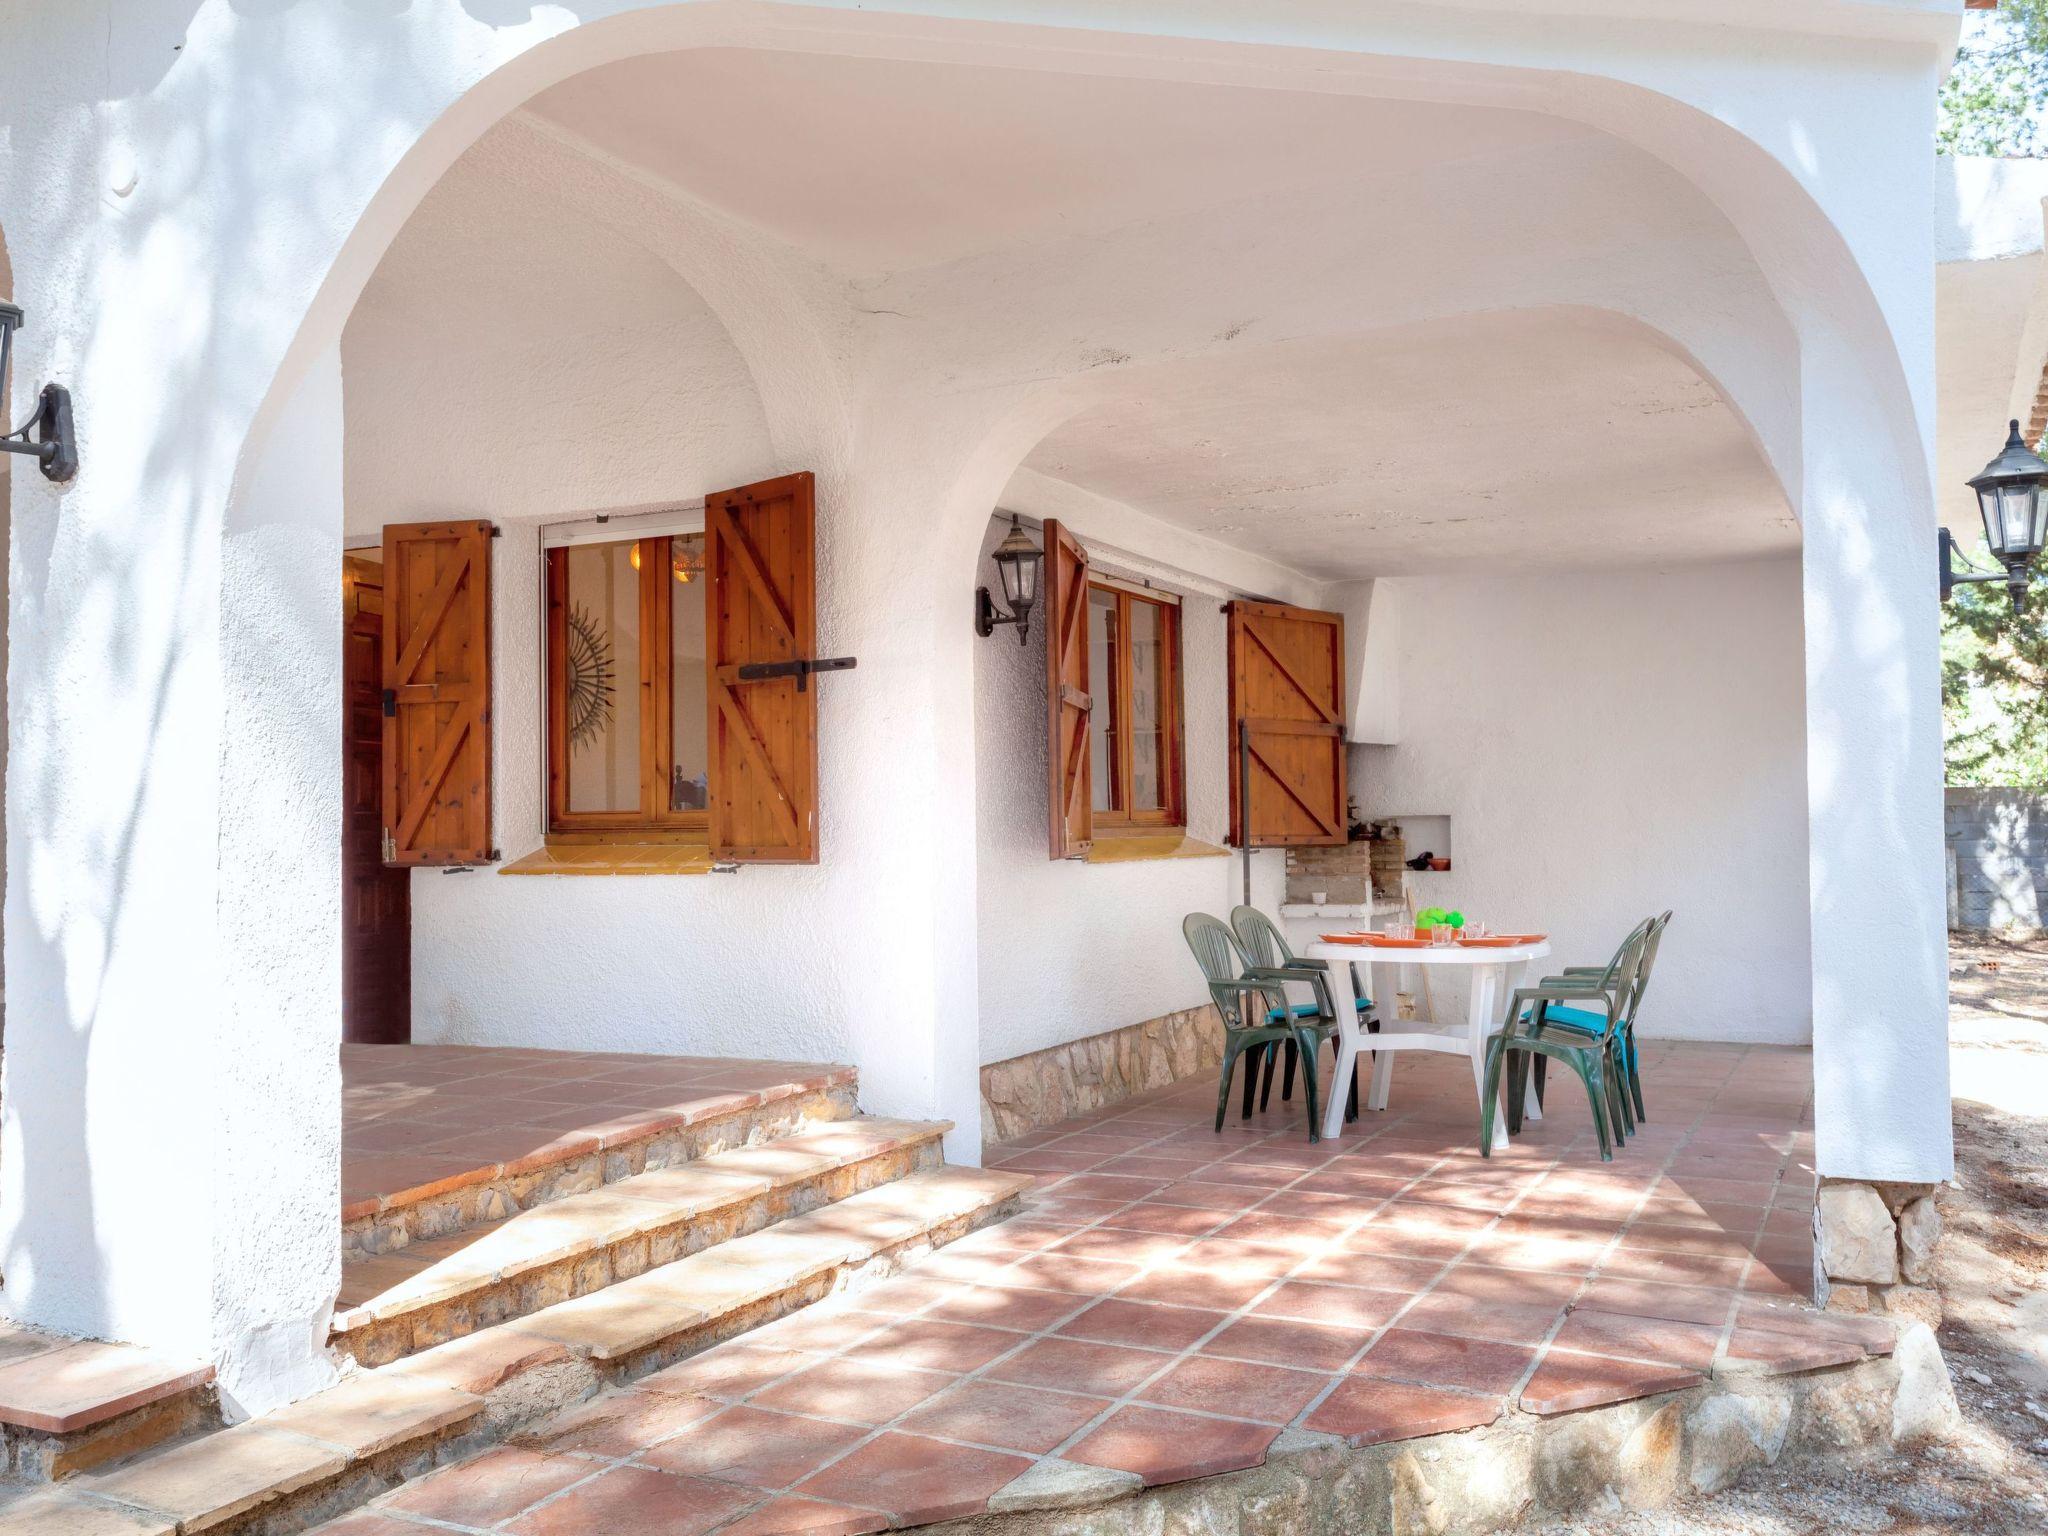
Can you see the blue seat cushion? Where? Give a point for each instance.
(1300, 1011)
(1576, 1018)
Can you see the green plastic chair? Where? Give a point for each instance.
(1241, 998)
(1533, 1032)
(1631, 1010)
(1272, 958)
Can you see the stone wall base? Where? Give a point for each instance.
(1523, 1469)
(1873, 1249)
(1027, 1092)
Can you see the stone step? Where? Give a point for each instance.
(428, 1293)
(392, 1201)
(67, 1405)
(337, 1449)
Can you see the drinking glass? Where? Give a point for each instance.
(1441, 935)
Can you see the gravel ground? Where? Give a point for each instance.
(1994, 1285)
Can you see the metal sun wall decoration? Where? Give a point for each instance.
(590, 677)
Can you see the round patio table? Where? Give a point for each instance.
(1496, 972)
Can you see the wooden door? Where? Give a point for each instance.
(376, 901)
(1287, 697)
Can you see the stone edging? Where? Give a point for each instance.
(1029, 1092)
(1646, 1453)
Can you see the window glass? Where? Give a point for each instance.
(1148, 718)
(602, 678)
(688, 723)
(1102, 663)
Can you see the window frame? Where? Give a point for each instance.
(657, 706)
(1115, 695)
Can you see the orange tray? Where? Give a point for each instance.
(1375, 940)
(1497, 941)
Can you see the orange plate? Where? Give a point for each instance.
(1343, 938)
(1381, 941)
(1498, 941)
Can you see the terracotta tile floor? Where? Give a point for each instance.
(419, 1119)
(1173, 1299)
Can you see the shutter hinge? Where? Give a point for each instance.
(390, 847)
(761, 671)
(390, 703)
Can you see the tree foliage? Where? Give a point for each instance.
(1996, 97)
(1994, 663)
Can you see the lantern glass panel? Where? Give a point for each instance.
(1019, 575)
(2016, 514)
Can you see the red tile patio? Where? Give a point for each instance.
(420, 1120)
(1172, 1300)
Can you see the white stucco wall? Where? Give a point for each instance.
(1683, 784)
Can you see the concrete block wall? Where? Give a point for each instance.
(1997, 842)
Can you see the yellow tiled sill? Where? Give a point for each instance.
(614, 858)
(1130, 847)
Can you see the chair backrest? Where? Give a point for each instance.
(1222, 962)
(1259, 937)
(1619, 979)
(1651, 939)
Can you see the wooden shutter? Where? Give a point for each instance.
(759, 557)
(1287, 686)
(437, 693)
(1069, 705)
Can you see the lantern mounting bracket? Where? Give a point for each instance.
(55, 444)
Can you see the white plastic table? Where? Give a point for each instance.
(1496, 972)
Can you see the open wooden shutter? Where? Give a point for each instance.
(759, 556)
(1069, 704)
(437, 693)
(1287, 687)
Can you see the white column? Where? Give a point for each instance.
(1874, 764)
(170, 1116)
(897, 774)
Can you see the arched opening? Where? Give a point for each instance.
(908, 314)
(1515, 512)
(606, 309)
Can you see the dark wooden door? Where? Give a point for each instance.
(376, 899)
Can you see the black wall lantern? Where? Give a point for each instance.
(2015, 520)
(1017, 561)
(55, 446)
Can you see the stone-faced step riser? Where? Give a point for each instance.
(379, 1343)
(846, 1278)
(36, 1456)
(502, 1195)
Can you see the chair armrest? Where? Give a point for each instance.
(1299, 971)
(1554, 989)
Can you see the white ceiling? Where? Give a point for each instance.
(1502, 442)
(490, 263)
(877, 165)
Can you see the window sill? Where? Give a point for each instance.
(1132, 847)
(622, 857)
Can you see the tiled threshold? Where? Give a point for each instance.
(437, 1139)
(1177, 1308)
(1177, 1311)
